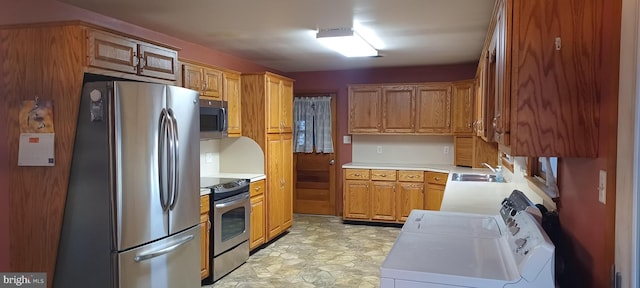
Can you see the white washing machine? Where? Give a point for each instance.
(445, 249)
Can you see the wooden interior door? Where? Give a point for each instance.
(315, 177)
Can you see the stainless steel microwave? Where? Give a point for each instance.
(213, 119)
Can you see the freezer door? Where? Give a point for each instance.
(169, 263)
(138, 211)
(183, 108)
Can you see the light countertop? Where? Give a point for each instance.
(459, 196)
(444, 168)
(253, 177)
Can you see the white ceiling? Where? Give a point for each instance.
(280, 34)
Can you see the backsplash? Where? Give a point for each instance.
(209, 166)
(402, 149)
(230, 155)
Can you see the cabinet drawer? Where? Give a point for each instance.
(204, 204)
(384, 175)
(411, 176)
(356, 174)
(256, 188)
(437, 178)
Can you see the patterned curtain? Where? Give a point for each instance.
(312, 119)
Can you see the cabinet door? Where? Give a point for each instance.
(274, 201)
(286, 143)
(231, 92)
(365, 110)
(410, 196)
(463, 151)
(435, 193)
(463, 108)
(383, 200)
(212, 87)
(433, 108)
(205, 228)
(286, 106)
(113, 52)
(273, 104)
(356, 199)
(192, 77)
(398, 105)
(257, 222)
(502, 114)
(157, 61)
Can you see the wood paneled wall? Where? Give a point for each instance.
(46, 62)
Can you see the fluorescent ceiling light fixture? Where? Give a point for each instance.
(346, 42)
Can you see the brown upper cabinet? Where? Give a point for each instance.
(419, 108)
(398, 113)
(231, 93)
(433, 108)
(541, 69)
(119, 53)
(365, 109)
(280, 104)
(206, 80)
(463, 107)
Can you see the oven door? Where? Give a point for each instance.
(230, 222)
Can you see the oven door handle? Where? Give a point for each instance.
(235, 200)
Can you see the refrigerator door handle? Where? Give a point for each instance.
(164, 250)
(172, 160)
(176, 161)
(162, 158)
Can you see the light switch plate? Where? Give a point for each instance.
(346, 139)
(446, 150)
(602, 187)
(208, 157)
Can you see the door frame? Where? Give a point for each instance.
(334, 137)
(627, 218)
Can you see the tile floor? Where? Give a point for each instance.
(318, 251)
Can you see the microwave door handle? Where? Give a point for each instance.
(162, 159)
(176, 160)
(224, 119)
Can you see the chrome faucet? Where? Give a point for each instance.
(497, 171)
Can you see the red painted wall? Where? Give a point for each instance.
(588, 225)
(337, 82)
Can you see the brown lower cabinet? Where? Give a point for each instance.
(257, 220)
(435, 189)
(388, 195)
(205, 229)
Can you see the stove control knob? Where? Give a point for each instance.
(520, 242)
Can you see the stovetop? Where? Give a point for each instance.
(224, 187)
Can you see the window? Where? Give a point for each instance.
(537, 170)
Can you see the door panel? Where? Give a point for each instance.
(315, 185)
(178, 268)
(140, 218)
(183, 103)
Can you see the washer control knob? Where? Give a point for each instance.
(513, 212)
(520, 242)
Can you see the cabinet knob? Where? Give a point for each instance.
(257, 188)
(436, 178)
(356, 175)
(136, 61)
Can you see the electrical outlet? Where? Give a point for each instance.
(602, 187)
(379, 149)
(446, 150)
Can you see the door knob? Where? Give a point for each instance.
(331, 162)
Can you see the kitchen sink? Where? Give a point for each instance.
(474, 177)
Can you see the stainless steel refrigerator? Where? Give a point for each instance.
(131, 218)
